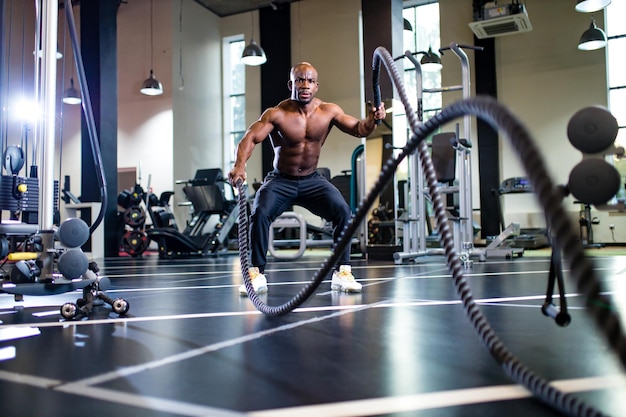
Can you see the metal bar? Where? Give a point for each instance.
(46, 135)
(88, 112)
(416, 229)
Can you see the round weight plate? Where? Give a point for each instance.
(592, 129)
(73, 263)
(134, 217)
(135, 243)
(594, 181)
(73, 232)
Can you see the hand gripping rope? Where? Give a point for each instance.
(549, 197)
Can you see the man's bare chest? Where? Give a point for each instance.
(303, 129)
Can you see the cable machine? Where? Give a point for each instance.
(414, 226)
(39, 265)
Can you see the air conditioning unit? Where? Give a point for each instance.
(500, 21)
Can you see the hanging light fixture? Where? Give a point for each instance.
(593, 38)
(407, 25)
(589, 6)
(253, 54)
(71, 95)
(151, 86)
(430, 61)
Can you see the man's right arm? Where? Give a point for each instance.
(256, 133)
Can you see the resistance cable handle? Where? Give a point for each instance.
(89, 118)
(376, 85)
(555, 278)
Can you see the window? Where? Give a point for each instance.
(423, 16)
(424, 19)
(616, 76)
(616, 61)
(234, 97)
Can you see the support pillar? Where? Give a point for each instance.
(98, 34)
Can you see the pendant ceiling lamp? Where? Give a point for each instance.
(589, 6)
(151, 86)
(593, 38)
(71, 95)
(407, 25)
(253, 54)
(431, 61)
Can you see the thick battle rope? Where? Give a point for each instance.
(549, 196)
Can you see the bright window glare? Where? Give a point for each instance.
(617, 62)
(425, 22)
(234, 84)
(26, 110)
(617, 98)
(616, 77)
(615, 18)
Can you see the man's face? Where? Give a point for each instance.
(303, 84)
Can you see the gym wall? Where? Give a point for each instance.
(541, 76)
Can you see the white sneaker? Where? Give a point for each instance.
(343, 280)
(259, 282)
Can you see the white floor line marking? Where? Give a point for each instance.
(207, 349)
(83, 387)
(524, 306)
(415, 402)
(229, 269)
(13, 333)
(237, 271)
(35, 381)
(165, 274)
(381, 304)
(208, 287)
(149, 403)
(374, 281)
(388, 405)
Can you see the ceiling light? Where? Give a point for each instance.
(71, 95)
(253, 54)
(151, 86)
(593, 38)
(431, 61)
(589, 6)
(407, 25)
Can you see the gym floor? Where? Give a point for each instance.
(191, 346)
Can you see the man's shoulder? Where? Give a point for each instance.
(276, 111)
(329, 106)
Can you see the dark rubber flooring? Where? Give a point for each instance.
(191, 346)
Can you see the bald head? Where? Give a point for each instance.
(302, 66)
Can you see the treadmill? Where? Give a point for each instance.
(527, 238)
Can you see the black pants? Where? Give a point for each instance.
(279, 192)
